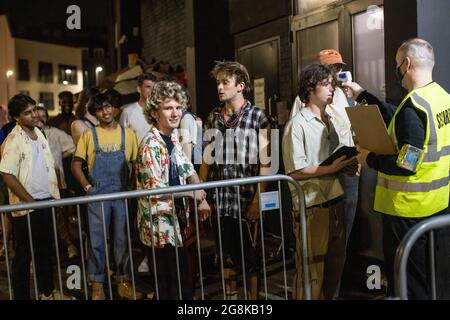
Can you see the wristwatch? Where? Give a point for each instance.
(87, 187)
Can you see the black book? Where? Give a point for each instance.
(340, 151)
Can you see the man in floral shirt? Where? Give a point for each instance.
(29, 173)
(161, 163)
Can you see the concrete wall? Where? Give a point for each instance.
(427, 19)
(432, 25)
(35, 52)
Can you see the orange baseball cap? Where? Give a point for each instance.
(329, 56)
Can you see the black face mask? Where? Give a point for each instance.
(399, 75)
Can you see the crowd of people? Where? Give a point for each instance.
(157, 142)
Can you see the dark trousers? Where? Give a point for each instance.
(418, 268)
(43, 245)
(167, 276)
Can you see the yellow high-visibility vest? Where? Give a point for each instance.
(427, 191)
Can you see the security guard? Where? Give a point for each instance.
(413, 184)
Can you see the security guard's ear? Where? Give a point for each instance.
(408, 63)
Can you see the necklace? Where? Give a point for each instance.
(238, 117)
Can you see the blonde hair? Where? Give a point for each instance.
(161, 91)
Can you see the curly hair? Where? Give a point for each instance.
(310, 76)
(233, 68)
(161, 91)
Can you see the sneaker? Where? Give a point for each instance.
(55, 295)
(72, 251)
(97, 291)
(143, 267)
(125, 291)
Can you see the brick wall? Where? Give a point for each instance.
(164, 31)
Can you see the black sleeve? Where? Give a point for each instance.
(387, 110)
(410, 128)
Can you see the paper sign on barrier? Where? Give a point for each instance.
(269, 200)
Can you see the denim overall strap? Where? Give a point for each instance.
(95, 137)
(122, 145)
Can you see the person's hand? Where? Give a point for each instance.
(352, 89)
(340, 163)
(200, 195)
(252, 213)
(353, 169)
(204, 210)
(362, 156)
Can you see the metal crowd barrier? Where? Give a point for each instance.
(404, 250)
(77, 201)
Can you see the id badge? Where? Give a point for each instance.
(410, 157)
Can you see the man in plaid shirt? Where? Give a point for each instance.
(235, 133)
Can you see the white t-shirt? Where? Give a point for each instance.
(59, 142)
(39, 187)
(191, 132)
(133, 117)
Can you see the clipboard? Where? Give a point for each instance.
(370, 129)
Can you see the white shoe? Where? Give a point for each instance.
(143, 267)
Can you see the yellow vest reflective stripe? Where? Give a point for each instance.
(427, 191)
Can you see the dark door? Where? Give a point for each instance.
(261, 60)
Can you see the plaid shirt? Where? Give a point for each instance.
(236, 156)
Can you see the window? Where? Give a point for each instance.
(24, 70)
(99, 53)
(47, 99)
(45, 72)
(368, 50)
(67, 74)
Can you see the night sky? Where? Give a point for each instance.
(46, 20)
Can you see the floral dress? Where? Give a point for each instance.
(155, 215)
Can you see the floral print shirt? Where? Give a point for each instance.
(17, 160)
(155, 215)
